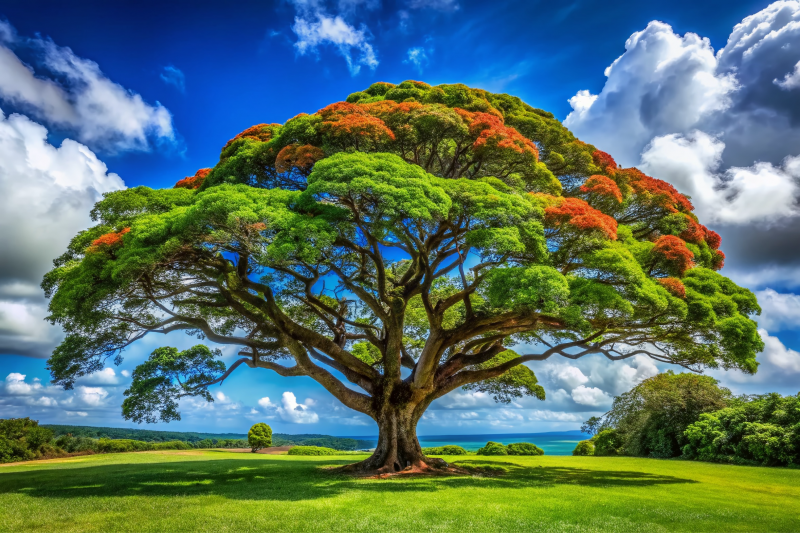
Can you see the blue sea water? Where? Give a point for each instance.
(553, 443)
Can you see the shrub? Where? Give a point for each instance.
(493, 448)
(584, 447)
(172, 445)
(259, 436)
(312, 450)
(22, 439)
(524, 448)
(608, 442)
(448, 449)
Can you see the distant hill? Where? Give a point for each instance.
(149, 435)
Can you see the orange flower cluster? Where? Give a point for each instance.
(343, 118)
(658, 191)
(578, 214)
(602, 186)
(383, 109)
(718, 261)
(193, 182)
(673, 250)
(108, 240)
(674, 286)
(604, 161)
(299, 157)
(492, 131)
(697, 233)
(259, 132)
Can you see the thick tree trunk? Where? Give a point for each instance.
(398, 448)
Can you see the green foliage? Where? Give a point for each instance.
(516, 382)
(312, 450)
(608, 442)
(524, 448)
(448, 449)
(650, 419)
(165, 377)
(584, 447)
(22, 439)
(493, 448)
(259, 436)
(763, 430)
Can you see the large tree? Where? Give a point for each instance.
(393, 248)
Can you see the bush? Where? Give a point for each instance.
(584, 447)
(524, 448)
(448, 449)
(172, 445)
(312, 450)
(607, 442)
(493, 448)
(22, 439)
(259, 436)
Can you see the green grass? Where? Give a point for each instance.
(219, 491)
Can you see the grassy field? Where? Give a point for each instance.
(220, 491)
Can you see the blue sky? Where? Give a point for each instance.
(154, 90)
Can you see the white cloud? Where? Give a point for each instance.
(15, 385)
(591, 396)
(46, 193)
(265, 403)
(740, 195)
(779, 311)
(791, 80)
(76, 413)
(297, 413)
(106, 376)
(315, 27)
(776, 354)
(779, 367)
(567, 376)
(83, 100)
(173, 76)
(418, 57)
(126, 373)
(91, 396)
(663, 83)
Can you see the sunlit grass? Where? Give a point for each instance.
(221, 491)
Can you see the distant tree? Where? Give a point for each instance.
(592, 426)
(493, 448)
(22, 439)
(401, 241)
(650, 419)
(524, 448)
(259, 436)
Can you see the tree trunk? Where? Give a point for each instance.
(398, 448)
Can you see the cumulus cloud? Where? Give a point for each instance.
(418, 57)
(779, 311)
(739, 195)
(173, 76)
(315, 28)
(591, 396)
(47, 193)
(106, 376)
(290, 410)
(71, 92)
(779, 368)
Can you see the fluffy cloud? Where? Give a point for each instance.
(315, 27)
(739, 195)
(106, 376)
(290, 410)
(779, 369)
(83, 100)
(779, 311)
(591, 396)
(418, 57)
(47, 193)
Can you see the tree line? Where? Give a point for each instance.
(692, 417)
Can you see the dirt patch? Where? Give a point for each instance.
(274, 450)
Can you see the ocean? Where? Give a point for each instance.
(553, 443)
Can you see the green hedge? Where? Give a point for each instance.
(448, 449)
(524, 448)
(313, 450)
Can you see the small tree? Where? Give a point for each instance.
(259, 436)
(401, 241)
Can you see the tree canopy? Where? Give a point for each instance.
(403, 241)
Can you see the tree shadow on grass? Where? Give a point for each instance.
(275, 479)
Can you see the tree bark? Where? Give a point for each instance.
(398, 448)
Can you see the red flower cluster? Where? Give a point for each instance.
(718, 261)
(604, 161)
(603, 186)
(491, 131)
(673, 250)
(299, 157)
(674, 286)
(697, 233)
(343, 118)
(259, 132)
(579, 215)
(193, 182)
(659, 192)
(108, 240)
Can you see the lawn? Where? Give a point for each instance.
(219, 491)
